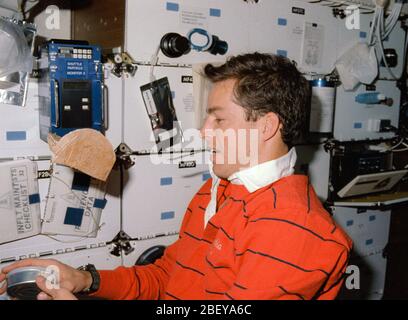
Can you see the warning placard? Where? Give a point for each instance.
(19, 183)
(20, 212)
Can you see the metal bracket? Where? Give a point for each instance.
(123, 153)
(330, 145)
(122, 63)
(121, 243)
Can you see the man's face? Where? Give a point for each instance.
(233, 140)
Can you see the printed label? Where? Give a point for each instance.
(44, 174)
(187, 164)
(187, 79)
(194, 17)
(297, 10)
(75, 68)
(19, 181)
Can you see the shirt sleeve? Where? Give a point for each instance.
(280, 260)
(138, 282)
(141, 282)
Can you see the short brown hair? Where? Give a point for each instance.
(267, 83)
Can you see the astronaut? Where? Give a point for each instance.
(255, 230)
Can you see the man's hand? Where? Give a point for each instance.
(70, 280)
(52, 294)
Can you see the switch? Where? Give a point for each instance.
(373, 125)
(386, 126)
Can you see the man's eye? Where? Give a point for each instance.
(219, 120)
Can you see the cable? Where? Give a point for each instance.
(153, 61)
(373, 25)
(397, 145)
(84, 237)
(401, 142)
(392, 19)
(401, 150)
(379, 29)
(389, 23)
(122, 185)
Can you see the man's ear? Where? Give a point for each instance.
(270, 125)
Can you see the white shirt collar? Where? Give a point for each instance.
(212, 205)
(263, 174)
(253, 178)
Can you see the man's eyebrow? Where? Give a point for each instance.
(213, 109)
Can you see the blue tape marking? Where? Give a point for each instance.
(81, 181)
(369, 241)
(172, 6)
(349, 223)
(16, 135)
(358, 125)
(34, 198)
(372, 218)
(167, 215)
(282, 53)
(73, 216)
(363, 34)
(282, 22)
(100, 203)
(206, 176)
(166, 181)
(215, 12)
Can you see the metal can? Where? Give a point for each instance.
(21, 283)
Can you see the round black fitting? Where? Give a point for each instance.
(391, 56)
(218, 46)
(174, 45)
(150, 255)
